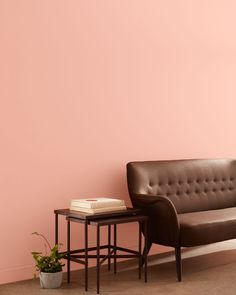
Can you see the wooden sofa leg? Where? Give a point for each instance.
(178, 263)
(149, 245)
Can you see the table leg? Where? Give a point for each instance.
(86, 253)
(109, 246)
(68, 251)
(56, 228)
(98, 259)
(139, 250)
(115, 248)
(145, 250)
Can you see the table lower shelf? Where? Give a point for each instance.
(73, 256)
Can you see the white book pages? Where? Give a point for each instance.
(98, 210)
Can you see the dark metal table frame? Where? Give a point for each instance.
(81, 256)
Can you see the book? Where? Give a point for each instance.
(98, 210)
(94, 203)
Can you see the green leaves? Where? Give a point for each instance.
(48, 263)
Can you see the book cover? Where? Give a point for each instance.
(93, 203)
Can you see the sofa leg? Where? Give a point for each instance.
(178, 263)
(149, 245)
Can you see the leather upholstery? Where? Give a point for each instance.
(203, 227)
(163, 223)
(176, 194)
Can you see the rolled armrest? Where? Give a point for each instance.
(163, 219)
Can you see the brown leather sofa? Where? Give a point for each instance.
(189, 202)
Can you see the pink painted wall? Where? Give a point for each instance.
(86, 86)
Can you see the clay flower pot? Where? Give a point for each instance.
(50, 280)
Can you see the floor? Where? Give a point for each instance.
(207, 270)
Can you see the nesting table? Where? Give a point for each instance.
(112, 250)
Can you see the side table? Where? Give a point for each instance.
(111, 220)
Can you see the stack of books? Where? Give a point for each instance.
(97, 205)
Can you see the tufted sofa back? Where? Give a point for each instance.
(192, 185)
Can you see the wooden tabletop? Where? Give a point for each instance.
(118, 220)
(88, 216)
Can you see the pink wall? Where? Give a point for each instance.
(86, 86)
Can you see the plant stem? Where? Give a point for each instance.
(45, 239)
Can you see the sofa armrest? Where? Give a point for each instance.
(163, 225)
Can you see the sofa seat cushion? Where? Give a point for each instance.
(204, 227)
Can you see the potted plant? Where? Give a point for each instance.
(49, 265)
